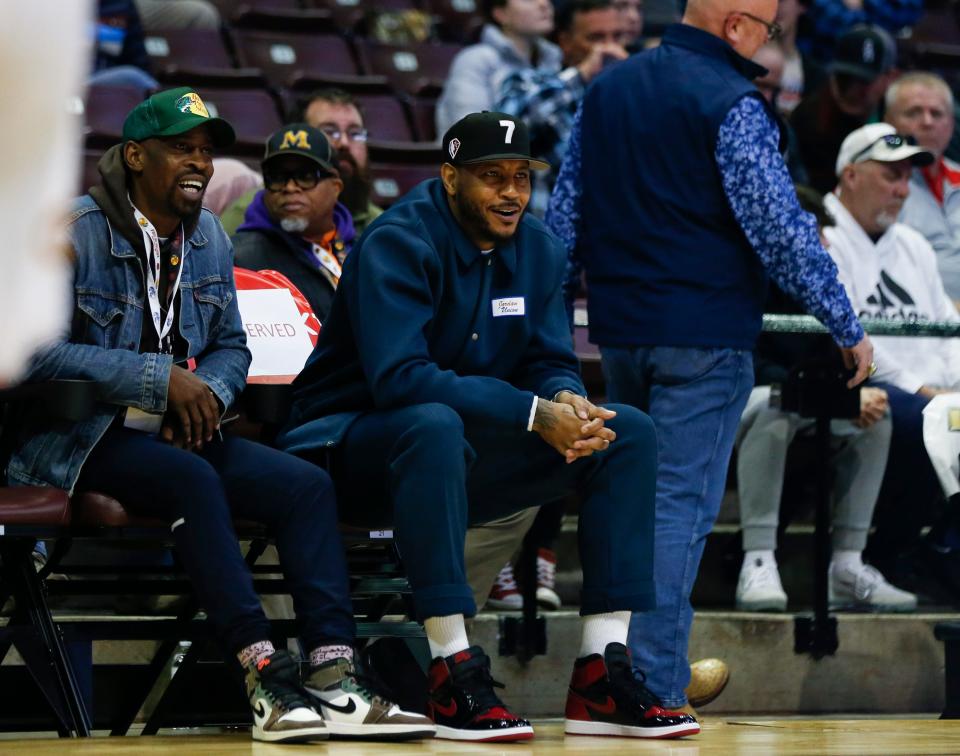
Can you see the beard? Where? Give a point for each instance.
(474, 220)
(294, 224)
(356, 186)
(884, 220)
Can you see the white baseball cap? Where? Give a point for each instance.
(880, 141)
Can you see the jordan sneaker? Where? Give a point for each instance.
(464, 704)
(607, 697)
(281, 707)
(547, 596)
(351, 708)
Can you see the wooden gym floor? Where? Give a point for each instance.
(728, 736)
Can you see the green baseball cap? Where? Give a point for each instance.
(173, 112)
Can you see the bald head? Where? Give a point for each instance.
(743, 24)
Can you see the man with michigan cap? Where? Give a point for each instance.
(156, 325)
(444, 392)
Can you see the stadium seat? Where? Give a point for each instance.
(392, 180)
(253, 113)
(385, 117)
(187, 50)
(423, 111)
(285, 57)
(415, 69)
(104, 111)
(456, 20)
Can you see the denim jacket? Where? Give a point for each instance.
(104, 337)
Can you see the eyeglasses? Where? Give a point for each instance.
(335, 135)
(774, 30)
(307, 178)
(892, 141)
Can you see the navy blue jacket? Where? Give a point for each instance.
(413, 322)
(666, 261)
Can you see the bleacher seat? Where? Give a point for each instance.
(423, 111)
(415, 69)
(285, 57)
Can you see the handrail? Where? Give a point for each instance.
(873, 326)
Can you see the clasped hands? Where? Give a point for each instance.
(573, 426)
(193, 412)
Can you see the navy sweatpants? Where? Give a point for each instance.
(230, 478)
(433, 477)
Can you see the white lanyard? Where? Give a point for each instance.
(151, 244)
(328, 261)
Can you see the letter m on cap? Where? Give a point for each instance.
(295, 140)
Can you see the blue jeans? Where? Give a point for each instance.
(422, 470)
(200, 493)
(695, 398)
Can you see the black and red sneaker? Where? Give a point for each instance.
(606, 697)
(464, 705)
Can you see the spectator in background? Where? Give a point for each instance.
(831, 19)
(170, 15)
(800, 73)
(336, 114)
(514, 37)
(861, 71)
(890, 272)
(295, 224)
(770, 56)
(631, 19)
(590, 35)
(120, 57)
(763, 439)
(921, 104)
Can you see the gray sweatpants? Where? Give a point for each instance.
(170, 15)
(763, 438)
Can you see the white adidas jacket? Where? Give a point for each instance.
(896, 279)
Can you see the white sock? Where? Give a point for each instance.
(446, 635)
(847, 560)
(764, 556)
(601, 629)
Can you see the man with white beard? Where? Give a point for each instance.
(295, 224)
(890, 272)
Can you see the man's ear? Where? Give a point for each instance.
(448, 175)
(134, 156)
(339, 184)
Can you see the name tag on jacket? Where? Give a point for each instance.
(512, 306)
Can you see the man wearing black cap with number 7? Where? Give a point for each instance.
(444, 392)
(156, 326)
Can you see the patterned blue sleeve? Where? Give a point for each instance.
(764, 202)
(563, 213)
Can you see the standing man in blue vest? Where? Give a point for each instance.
(678, 205)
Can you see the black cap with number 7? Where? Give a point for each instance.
(481, 137)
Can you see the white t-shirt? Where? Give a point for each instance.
(896, 279)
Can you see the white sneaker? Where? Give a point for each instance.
(866, 588)
(282, 712)
(505, 594)
(759, 588)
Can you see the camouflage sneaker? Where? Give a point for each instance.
(281, 708)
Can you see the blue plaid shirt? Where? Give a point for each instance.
(547, 102)
(764, 202)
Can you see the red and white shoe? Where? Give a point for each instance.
(606, 697)
(463, 704)
(505, 594)
(547, 595)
